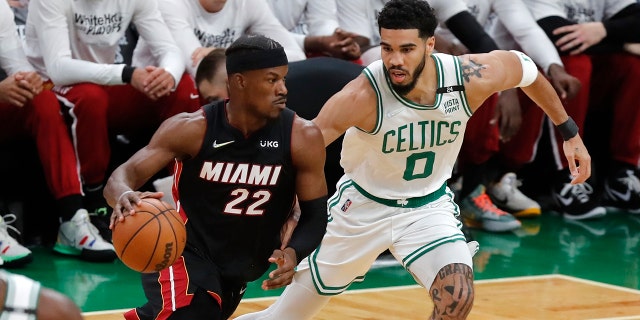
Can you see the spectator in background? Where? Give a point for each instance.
(27, 109)
(211, 77)
(360, 17)
(73, 45)
(599, 29)
(314, 25)
(204, 25)
(483, 165)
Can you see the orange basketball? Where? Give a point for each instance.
(152, 239)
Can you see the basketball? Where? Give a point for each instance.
(152, 239)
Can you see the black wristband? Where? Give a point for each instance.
(127, 74)
(568, 129)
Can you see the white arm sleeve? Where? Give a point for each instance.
(529, 69)
(156, 34)
(321, 17)
(356, 16)
(178, 19)
(49, 18)
(12, 58)
(445, 9)
(265, 23)
(517, 19)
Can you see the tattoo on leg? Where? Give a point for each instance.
(452, 292)
(470, 69)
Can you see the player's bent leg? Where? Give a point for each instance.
(299, 301)
(452, 292)
(447, 272)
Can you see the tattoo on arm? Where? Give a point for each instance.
(470, 69)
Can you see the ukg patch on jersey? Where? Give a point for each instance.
(346, 205)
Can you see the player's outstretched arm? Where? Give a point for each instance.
(179, 137)
(500, 70)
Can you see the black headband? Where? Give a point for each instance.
(254, 60)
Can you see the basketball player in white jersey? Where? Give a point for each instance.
(404, 119)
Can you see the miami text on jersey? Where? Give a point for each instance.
(245, 173)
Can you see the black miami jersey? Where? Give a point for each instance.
(237, 193)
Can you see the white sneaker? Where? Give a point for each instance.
(12, 254)
(78, 237)
(506, 196)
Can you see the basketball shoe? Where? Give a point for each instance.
(13, 254)
(622, 191)
(100, 218)
(78, 237)
(479, 212)
(506, 196)
(576, 201)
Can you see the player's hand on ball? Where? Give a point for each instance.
(283, 275)
(126, 201)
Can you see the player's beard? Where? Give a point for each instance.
(404, 89)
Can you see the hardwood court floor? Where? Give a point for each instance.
(511, 271)
(541, 297)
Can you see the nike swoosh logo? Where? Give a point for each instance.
(623, 196)
(243, 290)
(217, 145)
(194, 96)
(565, 201)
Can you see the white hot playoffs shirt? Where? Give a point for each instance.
(12, 58)
(577, 11)
(306, 17)
(512, 26)
(361, 16)
(193, 27)
(76, 41)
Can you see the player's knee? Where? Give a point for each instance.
(452, 292)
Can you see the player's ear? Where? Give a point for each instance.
(237, 80)
(430, 44)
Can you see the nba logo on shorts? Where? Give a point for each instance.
(346, 205)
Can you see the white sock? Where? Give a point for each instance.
(299, 301)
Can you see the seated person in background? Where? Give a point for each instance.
(360, 17)
(28, 110)
(204, 25)
(483, 163)
(73, 44)
(592, 34)
(314, 25)
(24, 298)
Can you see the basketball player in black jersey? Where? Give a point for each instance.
(239, 165)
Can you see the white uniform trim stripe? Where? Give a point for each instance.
(321, 288)
(74, 135)
(376, 88)
(409, 259)
(173, 289)
(463, 95)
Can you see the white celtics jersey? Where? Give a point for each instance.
(413, 148)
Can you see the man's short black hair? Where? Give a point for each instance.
(408, 14)
(252, 52)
